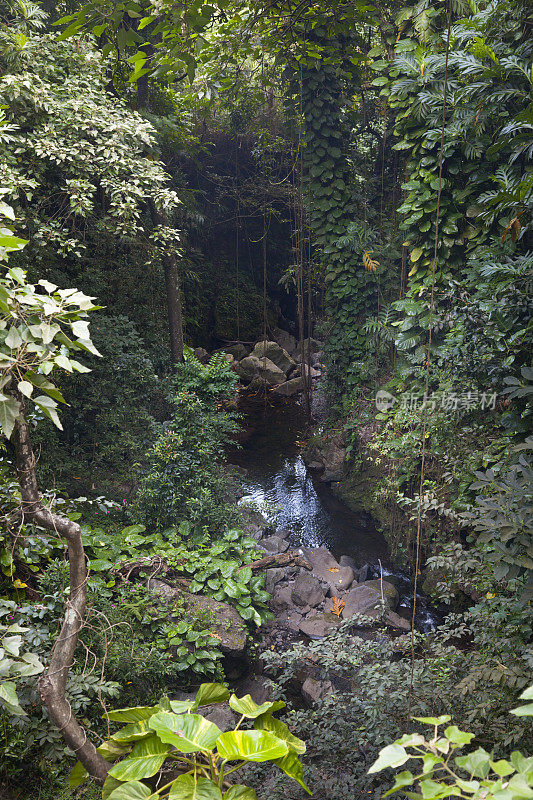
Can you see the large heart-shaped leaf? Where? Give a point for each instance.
(133, 732)
(246, 706)
(279, 729)
(186, 787)
(211, 693)
(181, 706)
(240, 792)
(133, 790)
(109, 786)
(189, 733)
(250, 746)
(133, 714)
(145, 760)
(292, 766)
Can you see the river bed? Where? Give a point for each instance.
(277, 482)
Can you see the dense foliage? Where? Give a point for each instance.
(211, 172)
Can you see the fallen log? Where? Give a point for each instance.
(279, 560)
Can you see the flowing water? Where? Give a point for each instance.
(277, 482)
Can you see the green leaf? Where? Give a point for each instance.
(434, 720)
(476, 763)
(456, 736)
(501, 768)
(187, 787)
(133, 790)
(279, 729)
(292, 766)
(146, 759)
(132, 714)
(181, 706)
(133, 732)
(393, 755)
(248, 708)
(189, 733)
(211, 693)
(250, 746)
(240, 792)
(13, 339)
(77, 775)
(405, 778)
(9, 411)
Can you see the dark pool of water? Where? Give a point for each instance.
(277, 481)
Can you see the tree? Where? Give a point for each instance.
(41, 326)
(79, 164)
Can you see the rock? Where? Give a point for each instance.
(307, 591)
(293, 621)
(319, 403)
(308, 371)
(201, 354)
(316, 359)
(258, 687)
(285, 340)
(229, 358)
(275, 353)
(362, 574)
(333, 456)
(329, 450)
(274, 544)
(394, 619)
(252, 367)
(390, 592)
(315, 627)
(283, 534)
(347, 561)
(221, 715)
(238, 351)
(361, 600)
(273, 577)
(314, 690)
(281, 600)
(220, 618)
(254, 524)
(316, 345)
(324, 567)
(290, 388)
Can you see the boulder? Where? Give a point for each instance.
(252, 367)
(316, 345)
(361, 600)
(290, 388)
(327, 569)
(274, 544)
(273, 577)
(316, 359)
(254, 524)
(347, 561)
(390, 592)
(238, 351)
(307, 591)
(362, 574)
(333, 456)
(221, 715)
(285, 340)
(309, 371)
(220, 618)
(201, 354)
(281, 600)
(275, 353)
(396, 621)
(314, 690)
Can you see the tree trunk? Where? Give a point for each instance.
(172, 281)
(53, 682)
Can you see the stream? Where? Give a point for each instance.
(276, 481)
